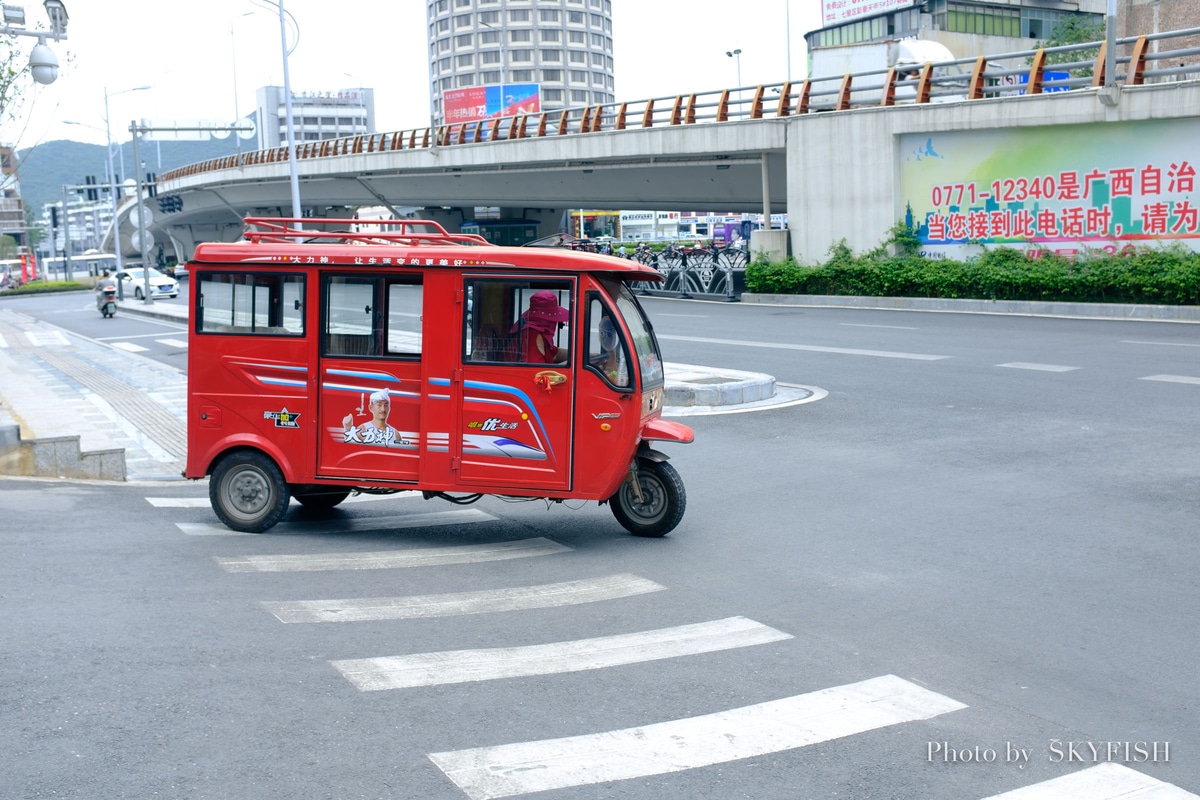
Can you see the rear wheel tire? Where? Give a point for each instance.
(247, 491)
(321, 500)
(663, 500)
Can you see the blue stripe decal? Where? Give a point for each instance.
(502, 389)
(370, 376)
(346, 387)
(272, 366)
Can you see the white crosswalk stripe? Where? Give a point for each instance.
(466, 666)
(130, 347)
(550, 595)
(1172, 378)
(426, 520)
(173, 342)
(204, 502)
(47, 338)
(394, 559)
(1101, 782)
(1038, 367)
(820, 716)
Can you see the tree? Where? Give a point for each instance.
(1075, 29)
(14, 71)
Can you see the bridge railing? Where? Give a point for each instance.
(1018, 72)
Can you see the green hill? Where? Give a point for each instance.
(44, 170)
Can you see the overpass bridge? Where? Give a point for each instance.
(835, 153)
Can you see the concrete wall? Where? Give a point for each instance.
(843, 169)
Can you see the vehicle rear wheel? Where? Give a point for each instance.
(247, 491)
(320, 500)
(662, 504)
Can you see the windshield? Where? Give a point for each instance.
(642, 334)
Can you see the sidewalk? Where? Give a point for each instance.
(73, 407)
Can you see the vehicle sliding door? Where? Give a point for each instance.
(370, 373)
(517, 388)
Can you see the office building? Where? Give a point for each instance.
(494, 57)
(316, 115)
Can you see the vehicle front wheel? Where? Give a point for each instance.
(661, 506)
(137, 293)
(320, 500)
(247, 491)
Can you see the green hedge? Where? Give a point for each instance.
(1167, 276)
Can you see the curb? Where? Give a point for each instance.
(1029, 308)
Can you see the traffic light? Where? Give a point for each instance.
(170, 204)
(152, 184)
(53, 216)
(93, 194)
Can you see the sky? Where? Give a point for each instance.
(205, 60)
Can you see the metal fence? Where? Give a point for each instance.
(1136, 62)
(706, 273)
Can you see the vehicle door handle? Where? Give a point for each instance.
(548, 379)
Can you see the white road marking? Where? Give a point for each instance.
(467, 666)
(3, 343)
(178, 502)
(173, 342)
(132, 336)
(811, 348)
(892, 327)
(130, 347)
(1164, 344)
(394, 559)
(772, 727)
(1102, 782)
(550, 595)
(42, 338)
(426, 520)
(1171, 378)
(203, 502)
(1041, 367)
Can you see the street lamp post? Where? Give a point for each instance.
(293, 150)
(737, 54)
(503, 67)
(112, 186)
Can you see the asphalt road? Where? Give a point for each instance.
(997, 511)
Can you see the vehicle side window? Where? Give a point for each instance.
(373, 316)
(250, 303)
(607, 352)
(518, 321)
(404, 317)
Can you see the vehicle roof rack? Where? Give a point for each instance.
(351, 231)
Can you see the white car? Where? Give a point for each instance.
(133, 283)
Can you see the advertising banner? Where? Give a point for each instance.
(486, 102)
(835, 12)
(1101, 186)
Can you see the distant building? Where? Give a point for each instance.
(1137, 17)
(316, 114)
(12, 207)
(561, 47)
(80, 229)
(967, 29)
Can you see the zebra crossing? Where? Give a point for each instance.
(655, 747)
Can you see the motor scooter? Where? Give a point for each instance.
(106, 299)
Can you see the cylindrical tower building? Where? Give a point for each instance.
(487, 56)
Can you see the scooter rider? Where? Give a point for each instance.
(104, 284)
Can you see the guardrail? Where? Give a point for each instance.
(937, 81)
